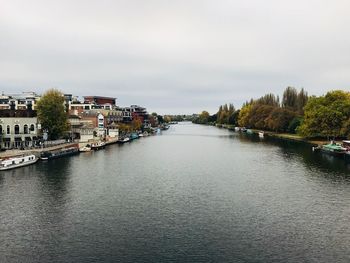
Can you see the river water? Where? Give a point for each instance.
(192, 194)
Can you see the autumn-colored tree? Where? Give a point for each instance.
(51, 113)
(136, 124)
(279, 119)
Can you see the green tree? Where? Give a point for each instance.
(294, 124)
(51, 113)
(326, 116)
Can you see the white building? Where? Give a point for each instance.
(19, 130)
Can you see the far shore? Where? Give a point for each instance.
(283, 136)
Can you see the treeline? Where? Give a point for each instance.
(268, 113)
(324, 116)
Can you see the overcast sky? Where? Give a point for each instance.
(174, 56)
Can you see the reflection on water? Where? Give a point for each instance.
(192, 194)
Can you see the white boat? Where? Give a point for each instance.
(140, 135)
(86, 148)
(261, 134)
(98, 145)
(19, 161)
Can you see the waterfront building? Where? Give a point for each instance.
(23, 101)
(136, 112)
(18, 128)
(82, 129)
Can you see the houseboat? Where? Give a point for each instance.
(16, 162)
(123, 139)
(98, 145)
(333, 149)
(48, 155)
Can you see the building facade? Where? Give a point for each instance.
(18, 129)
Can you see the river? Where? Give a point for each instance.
(192, 194)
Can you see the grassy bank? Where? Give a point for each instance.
(292, 137)
(283, 136)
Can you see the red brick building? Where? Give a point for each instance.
(100, 100)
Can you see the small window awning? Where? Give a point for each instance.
(7, 139)
(28, 139)
(18, 139)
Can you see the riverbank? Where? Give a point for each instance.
(282, 136)
(36, 151)
(61, 147)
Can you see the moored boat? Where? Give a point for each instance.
(164, 127)
(123, 139)
(86, 148)
(98, 145)
(261, 134)
(334, 149)
(134, 136)
(18, 161)
(48, 155)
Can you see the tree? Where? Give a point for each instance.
(295, 124)
(279, 119)
(204, 117)
(258, 116)
(290, 98)
(51, 113)
(268, 99)
(233, 119)
(301, 101)
(167, 118)
(244, 115)
(326, 116)
(136, 124)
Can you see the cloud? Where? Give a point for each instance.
(174, 56)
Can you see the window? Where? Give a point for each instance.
(16, 129)
(0, 129)
(25, 129)
(8, 130)
(32, 127)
